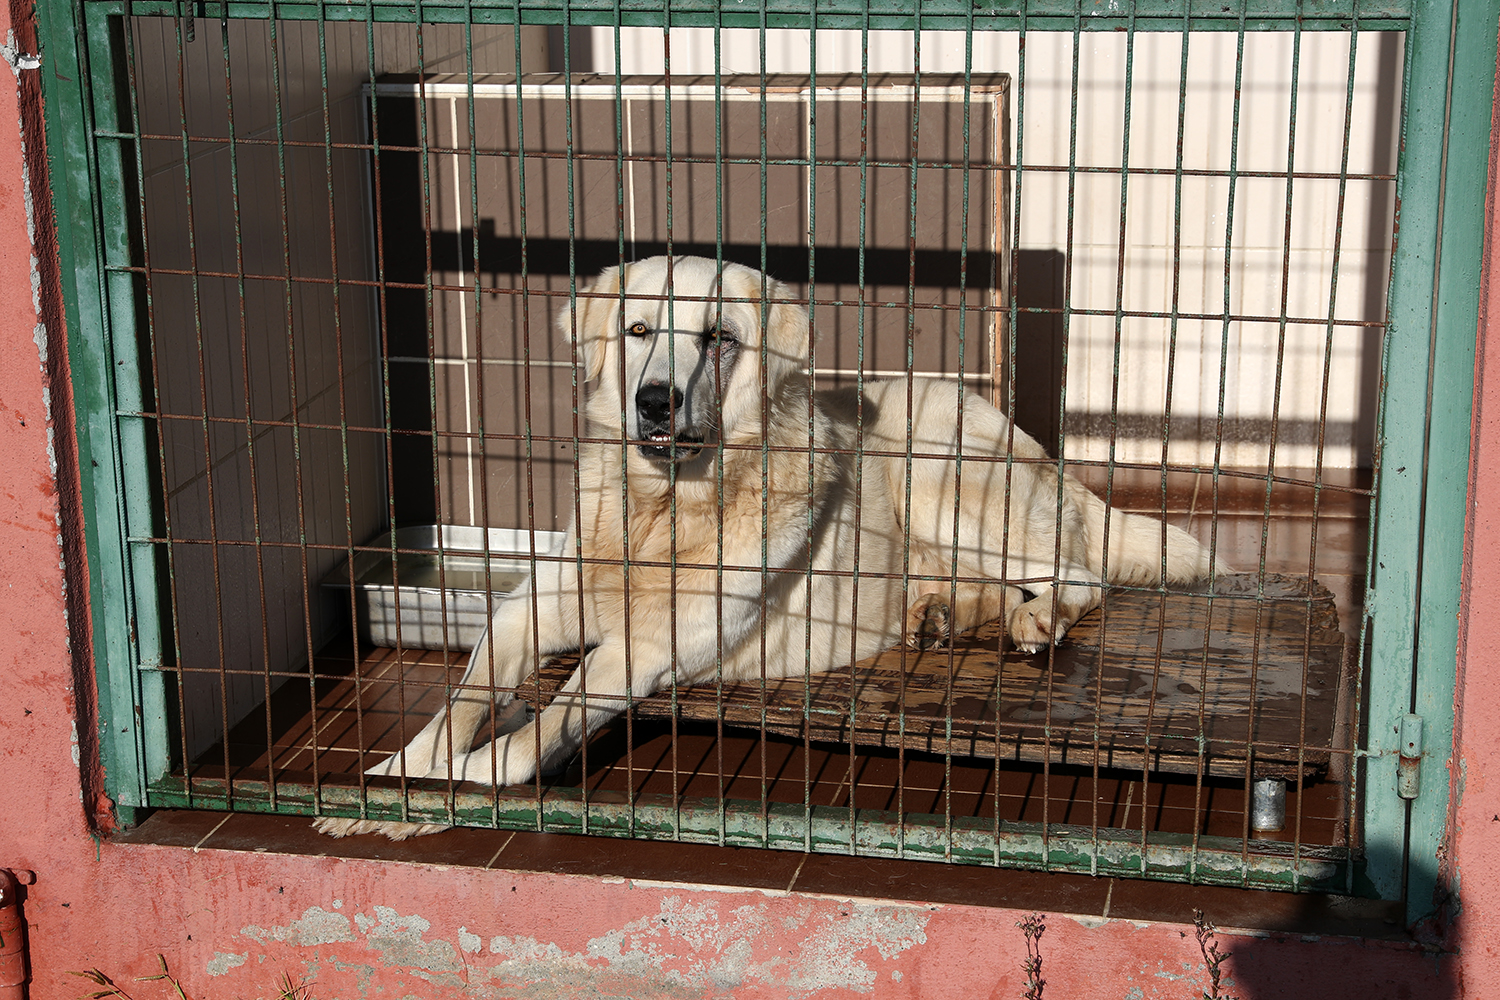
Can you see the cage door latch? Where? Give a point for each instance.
(1409, 757)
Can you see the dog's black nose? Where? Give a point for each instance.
(655, 401)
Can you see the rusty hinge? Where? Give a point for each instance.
(1409, 757)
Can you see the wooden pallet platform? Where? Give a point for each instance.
(1252, 677)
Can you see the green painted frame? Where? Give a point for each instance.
(1433, 313)
(1422, 472)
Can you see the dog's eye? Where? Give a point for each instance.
(716, 337)
(637, 329)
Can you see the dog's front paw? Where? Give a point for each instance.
(929, 623)
(510, 760)
(388, 768)
(338, 826)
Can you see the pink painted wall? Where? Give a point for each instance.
(1475, 768)
(231, 923)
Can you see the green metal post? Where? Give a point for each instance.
(1434, 303)
(132, 713)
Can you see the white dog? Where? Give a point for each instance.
(734, 524)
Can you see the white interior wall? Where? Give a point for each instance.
(1302, 297)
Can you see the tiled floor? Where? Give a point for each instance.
(360, 713)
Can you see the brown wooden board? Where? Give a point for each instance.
(1174, 682)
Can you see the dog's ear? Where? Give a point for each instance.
(788, 334)
(582, 321)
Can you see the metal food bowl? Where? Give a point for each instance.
(436, 586)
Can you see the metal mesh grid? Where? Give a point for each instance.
(344, 295)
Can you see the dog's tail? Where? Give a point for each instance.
(1144, 551)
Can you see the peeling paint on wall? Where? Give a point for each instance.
(401, 942)
(221, 963)
(830, 945)
(316, 926)
(686, 948)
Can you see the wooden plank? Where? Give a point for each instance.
(1249, 677)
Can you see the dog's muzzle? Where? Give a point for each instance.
(657, 405)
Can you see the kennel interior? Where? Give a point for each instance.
(330, 247)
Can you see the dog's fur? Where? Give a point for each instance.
(750, 554)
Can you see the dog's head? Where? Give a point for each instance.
(686, 350)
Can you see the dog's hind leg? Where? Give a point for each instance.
(1043, 620)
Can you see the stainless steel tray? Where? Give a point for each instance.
(437, 584)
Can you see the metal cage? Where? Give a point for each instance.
(312, 255)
